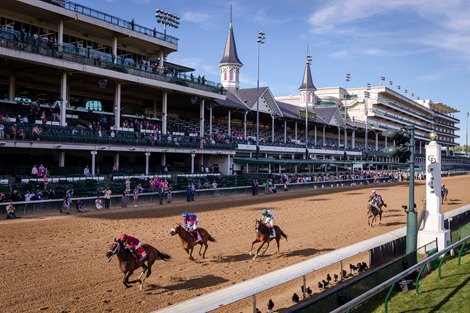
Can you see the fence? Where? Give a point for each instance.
(392, 281)
(181, 194)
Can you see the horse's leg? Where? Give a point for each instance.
(252, 245)
(259, 248)
(191, 253)
(148, 269)
(278, 239)
(205, 249)
(143, 271)
(267, 246)
(201, 243)
(125, 281)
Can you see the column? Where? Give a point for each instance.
(93, 162)
(12, 88)
(60, 38)
(115, 46)
(386, 142)
(117, 105)
(315, 134)
(244, 125)
(164, 113)
(280, 157)
(354, 139)
(324, 141)
(63, 96)
(201, 118)
(346, 138)
(62, 158)
(229, 121)
(377, 141)
(285, 131)
(160, 65)
(192, 162)
(163, 159)
(229, 165)
(295, 131)
(295, 166)
(116, 159)
(147, 156)
(420, 146)
(210, 119)
(272, 128)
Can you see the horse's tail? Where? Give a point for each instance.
(282, 234)
(210, 238)
(162, 256)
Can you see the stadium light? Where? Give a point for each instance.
(261, 38)
(347, 78)
(167, 19)
(404, 149)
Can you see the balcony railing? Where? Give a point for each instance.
(12, 40)
(78, 8)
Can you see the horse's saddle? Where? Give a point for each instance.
(141, 254)
(195, 235)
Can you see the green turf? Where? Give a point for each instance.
(450, 294)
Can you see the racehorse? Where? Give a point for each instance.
(444, 194)
(128, 262)
(263, 236)
(372, 213)
(380, 205)
(187, 240)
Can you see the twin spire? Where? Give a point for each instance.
(230, 65)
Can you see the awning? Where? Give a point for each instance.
(266, 161)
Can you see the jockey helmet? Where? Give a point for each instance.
(265, 212)
(374, 192)
(123, 237)
(185, 214)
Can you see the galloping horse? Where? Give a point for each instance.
(444, 194)
(128, 263)
(187, 240)
(372, 212)
(262, 235)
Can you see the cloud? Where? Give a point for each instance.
(263, 18)
(419, 26)
(343, 54)
(195, 17)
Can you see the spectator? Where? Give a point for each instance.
(66, 205)
(36, 132)
(86, 171)
(2, 131)
(161, 191)
(46, 181)
(79, 206)
(51, 194)
(34, 171)
(98, 204)
(128, 185)
(169, 194)
(124, 198)
(132, 24)
(11, 211)
(214, 184)
(107, 197)
(138, 189)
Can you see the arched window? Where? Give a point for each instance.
(232, 75)
(225, 75)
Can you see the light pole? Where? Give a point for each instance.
(348, 78)
(307, 97)
(466, 138)
(366, 100)
(167, 19)
(260, 41)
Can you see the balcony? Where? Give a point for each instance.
(39, 46)
(81, 9)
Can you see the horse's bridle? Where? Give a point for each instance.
(114, 250)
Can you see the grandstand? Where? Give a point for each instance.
(79, 87)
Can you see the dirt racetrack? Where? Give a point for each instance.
(57, 264)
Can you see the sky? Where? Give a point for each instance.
(423, 46)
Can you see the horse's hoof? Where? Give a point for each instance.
(251, 253)
(254, 258)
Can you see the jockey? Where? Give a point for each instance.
(376, 200)
(268, 220)
(133, 245)
(190, 222)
